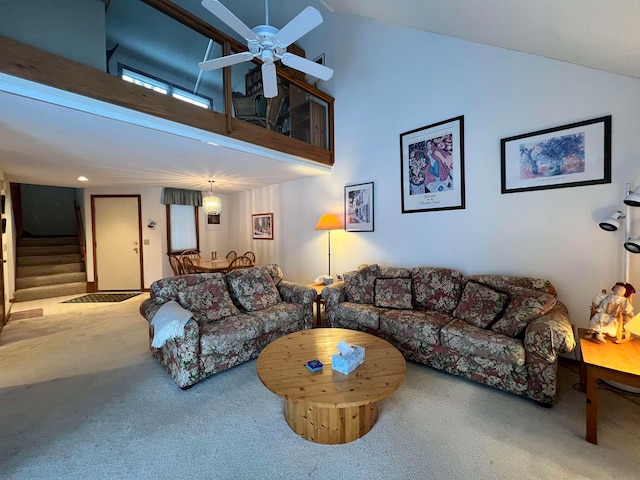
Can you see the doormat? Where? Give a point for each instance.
(102, 297)
(33, 313)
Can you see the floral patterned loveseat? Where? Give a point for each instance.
(503, 331)
(234, 316)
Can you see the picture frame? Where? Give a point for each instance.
(213, 221)
(432, 167)
(358, 207)
(262, 226)
(572, 155)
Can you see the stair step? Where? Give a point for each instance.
(47, 241)
(42, 270)
(47, 250)
(40, 281)
(49, 291)
(48, 260)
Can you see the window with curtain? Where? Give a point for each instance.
(182, 219)
(183, 227)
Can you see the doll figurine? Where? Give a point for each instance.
(605, 320)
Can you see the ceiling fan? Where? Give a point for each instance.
(269, 45)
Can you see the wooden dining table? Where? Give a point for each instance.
(202, 265)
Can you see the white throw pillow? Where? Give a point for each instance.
(169, 322)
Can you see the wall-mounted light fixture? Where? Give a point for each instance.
(612, 223)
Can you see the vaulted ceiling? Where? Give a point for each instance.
(48, 144)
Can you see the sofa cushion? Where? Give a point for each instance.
(253, 288)
(477, 342)
(524, 306)
(279, 316)
(480, 305)
(505, 282)
(414, 327)
(204, 294)
(359, 285)
(393, 293)
(357, 316)
(225, 335)
(274, 271)
(394, 272)
(436, 288)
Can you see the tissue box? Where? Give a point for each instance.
(348, 363)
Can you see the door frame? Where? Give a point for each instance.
(93, 234)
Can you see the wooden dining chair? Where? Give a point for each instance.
(188, 265)
(176, 266)
(251, 256)
(231, 255)
(239, 262)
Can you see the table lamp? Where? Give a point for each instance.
(329, 221)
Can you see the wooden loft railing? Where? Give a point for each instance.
(23, 61)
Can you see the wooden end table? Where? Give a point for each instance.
(606, 361)
(319, 301)
(327, 406)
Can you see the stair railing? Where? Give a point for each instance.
(80, 230)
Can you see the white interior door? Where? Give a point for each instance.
(116, 240)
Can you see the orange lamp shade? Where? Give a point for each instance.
(329, 221)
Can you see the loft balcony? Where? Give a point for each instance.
(166, 50)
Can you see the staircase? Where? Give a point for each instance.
(49, 267)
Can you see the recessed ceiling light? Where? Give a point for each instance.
(82, 178)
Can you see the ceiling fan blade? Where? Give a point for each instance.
(269, 80)
(307, 66)
(224, 14)
(307, 20)
(221, 62)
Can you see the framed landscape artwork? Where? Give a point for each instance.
(262, 226)
(358, 207)
(432, 167)
(568, 156)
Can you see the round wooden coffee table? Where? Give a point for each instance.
(328, 406)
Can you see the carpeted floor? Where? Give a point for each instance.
(82, 398)
(32, 313)
(102, 297)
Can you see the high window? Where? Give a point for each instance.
(160, 86)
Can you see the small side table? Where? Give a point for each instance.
(607, 361)
(319, 301)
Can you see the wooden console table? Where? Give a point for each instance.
(607, 361)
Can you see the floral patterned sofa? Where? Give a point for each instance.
(234, 316)
(506, 332)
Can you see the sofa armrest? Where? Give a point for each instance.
(551, 334)
(148, 309)
(297, 293)
(334, 294)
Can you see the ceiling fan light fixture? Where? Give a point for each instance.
(269, 44)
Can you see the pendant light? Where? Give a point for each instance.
(210, 203)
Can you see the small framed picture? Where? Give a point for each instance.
(262, 226)
(358, 207)
(213, 221)
(572, 155)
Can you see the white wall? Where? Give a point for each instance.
(154, 248)
(384, 88)
(70, 28)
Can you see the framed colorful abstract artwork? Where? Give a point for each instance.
(432, 167)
